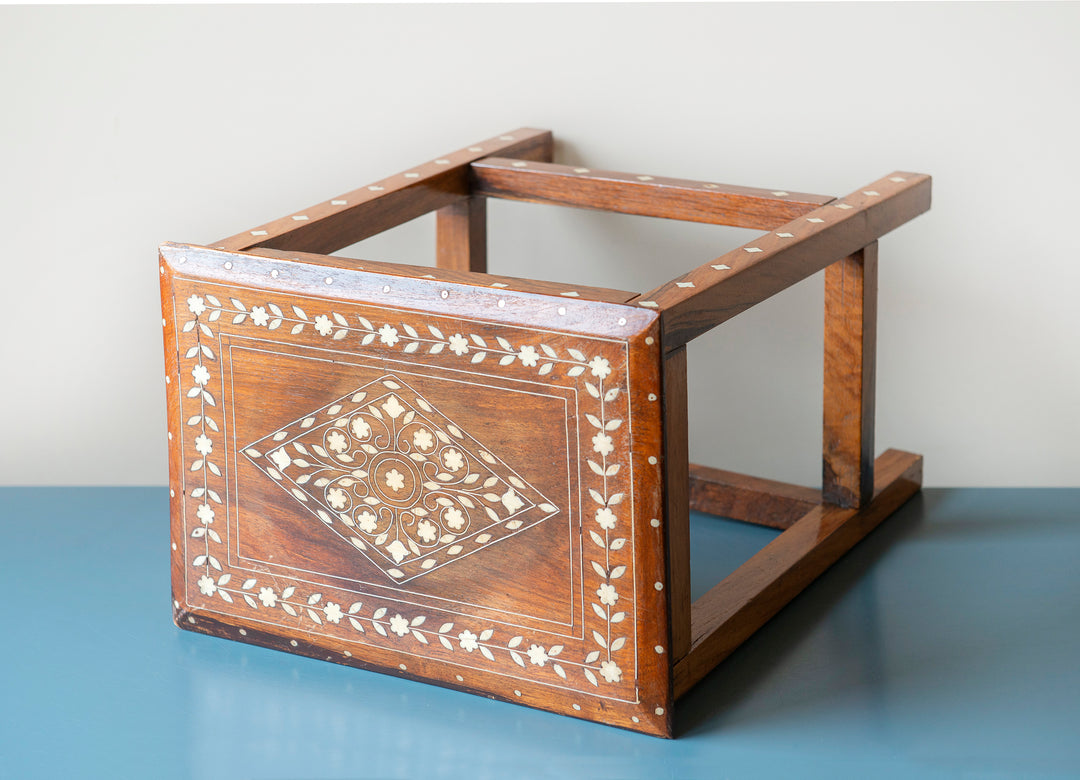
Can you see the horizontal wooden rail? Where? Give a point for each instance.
(728, 614)
(362, 213)
(717, 291)
(649, 196)
(474, 278)
(749, 499)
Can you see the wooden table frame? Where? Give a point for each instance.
(804, 234)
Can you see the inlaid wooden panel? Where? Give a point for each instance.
(428, 478)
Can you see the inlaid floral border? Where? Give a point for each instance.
(608, 529)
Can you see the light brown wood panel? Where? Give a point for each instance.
(342, 221)
(719, 290)
(650, 196)
(733, 610)
(850, 345)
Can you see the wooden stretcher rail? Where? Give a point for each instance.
(749, 499)
(715, 292)
(728, 614)
(649, 196)
(365, 212)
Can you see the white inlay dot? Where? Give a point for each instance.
(475, 149)
(581, 170)
(191, 619)
(655, 522)
(897, 179)
(562, 311)
(168, 379)
(412, 175)
(519, 164)
(659, 710)
(258, 232)
(636, 719)
(329, 280)
(648, 304)
(176, 604)
(652, 460)
(517, 693)
(338, 202)
(502, 303)
(506, 138)
(348, 654)
(751, 249)
(444, 294)
(161, 269)
(871, 193)
(402, 667)
(170, 435)
(786, 235)
(228, 266)
(815, 220)
(300, 217)
(174, 546)
(163, 322)
(577, 707)
(294, 643)
(710, 186)
(459, 678)
(649, 340)
(376, 188)
(274, 274)
(780, 193)
(659, 649)
(243, 632)
(442, 161)
(386, 288)
(684, 284)
(844, 206)
(622, 320)
(645, 178)
(658, 585)
(172, 493)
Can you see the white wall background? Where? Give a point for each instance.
(121, 127)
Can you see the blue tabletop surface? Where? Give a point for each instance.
(947, 644)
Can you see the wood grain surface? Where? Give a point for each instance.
(850, 344)
(649, 196)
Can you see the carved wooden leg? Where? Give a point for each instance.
(850, 334)
(461, 235)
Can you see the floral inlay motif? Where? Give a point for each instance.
(450, 456)
(388, 472)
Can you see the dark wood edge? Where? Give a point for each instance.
(720, 289)
(676, 505)
(649, 196)
(455, 276)
(749, 499)
(342, 221)
(732, 611)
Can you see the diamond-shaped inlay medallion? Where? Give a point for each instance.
(406, 487)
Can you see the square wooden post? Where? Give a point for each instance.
(461, 235)
(850, 344)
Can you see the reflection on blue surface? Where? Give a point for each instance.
(945, 645)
